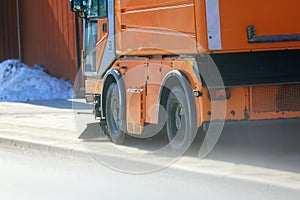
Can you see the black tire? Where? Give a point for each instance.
(112, 108)
(179, 121)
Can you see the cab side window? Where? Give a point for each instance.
(97, 8)
(103, 9)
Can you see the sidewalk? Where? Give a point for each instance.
(54, 127)
(44, 125)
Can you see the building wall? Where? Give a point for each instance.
(47, 32)
(8, 30)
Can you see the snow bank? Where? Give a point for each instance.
(20, 83)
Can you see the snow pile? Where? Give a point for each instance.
(20, 83)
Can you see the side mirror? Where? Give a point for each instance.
(78, 5)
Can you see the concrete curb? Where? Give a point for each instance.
(33, 147)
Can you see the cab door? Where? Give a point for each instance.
(96, 35)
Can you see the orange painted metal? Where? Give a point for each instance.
(127, 5)
(101, 41)
(133, 71)
(143, 78)
(274, 102)
(258, 103)
(235, 105)
(135, 110)
(173, 18)
(269, 17)
(147, 19)
(93, 85)
(275, 115)
(169, 25)
(153, 77)
(201, 28)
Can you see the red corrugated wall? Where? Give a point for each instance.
(47, 35)
(8, 30)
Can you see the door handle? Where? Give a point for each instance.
(104, 28)
(253, 38)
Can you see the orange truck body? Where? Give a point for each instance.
(189, 18)
(154, 37)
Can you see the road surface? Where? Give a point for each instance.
(33, 177)
(258, 160)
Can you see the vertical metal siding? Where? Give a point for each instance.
(8, 30)
(48, 36)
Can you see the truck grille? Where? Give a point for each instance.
(276, 98)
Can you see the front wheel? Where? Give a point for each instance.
(179, 120)
(113, 121)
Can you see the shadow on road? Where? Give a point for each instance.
(76, 104)
(93, 131)
(271, 144)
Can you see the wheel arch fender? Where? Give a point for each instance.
(171, 79)
(114, 76)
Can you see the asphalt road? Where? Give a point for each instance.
(257, 160)
(33, 177)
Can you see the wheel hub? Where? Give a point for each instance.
(178, 116)
(115, 110)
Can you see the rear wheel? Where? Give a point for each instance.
(113, 121)
(179, 121)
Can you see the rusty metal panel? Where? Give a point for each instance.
(48, 36)
(8, 30)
